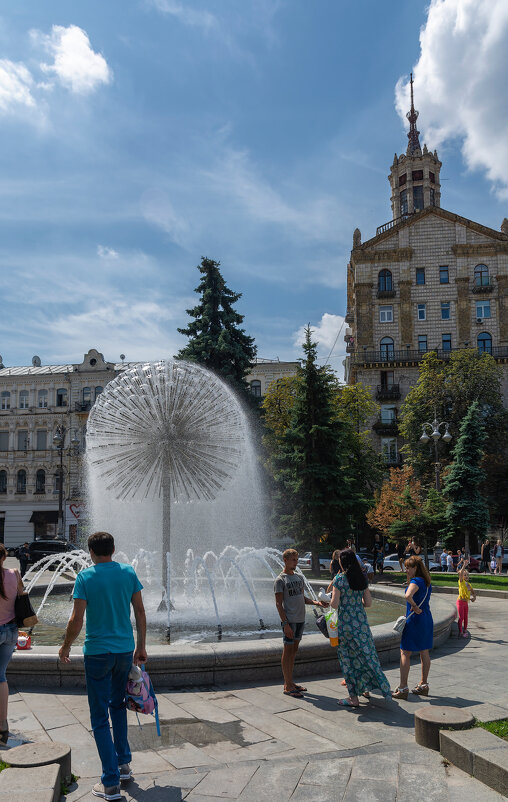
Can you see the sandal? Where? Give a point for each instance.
(400, 693)
(422, 689)
(300, 688)
(295, 694)
(366, 695)
(346, 703)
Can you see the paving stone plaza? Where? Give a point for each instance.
(252, 743)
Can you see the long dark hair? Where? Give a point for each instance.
(352, 568)
(3, 555)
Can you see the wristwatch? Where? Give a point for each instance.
(284, 622)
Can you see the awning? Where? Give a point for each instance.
(44, 517)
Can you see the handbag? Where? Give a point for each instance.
(402, 620)
(24, 613)
(321, 625)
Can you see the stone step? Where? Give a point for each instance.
(41, 754)
(480, 754)
(36, 784)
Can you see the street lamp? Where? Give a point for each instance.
(59, 442)
(436, 436)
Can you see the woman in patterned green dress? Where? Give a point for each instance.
(356, 650)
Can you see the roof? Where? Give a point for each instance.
(46, 370)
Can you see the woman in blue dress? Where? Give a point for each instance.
(418, 633)
(356, 650)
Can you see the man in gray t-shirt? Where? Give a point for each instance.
(290, 600)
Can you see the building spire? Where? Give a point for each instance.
(413, 134)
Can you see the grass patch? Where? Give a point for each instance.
(499, 728)
(64, 788)
(451, 581)
(3, 765)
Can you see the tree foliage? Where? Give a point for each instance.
(467, 512)
(215, 337)
(398, 500)
(425, 522)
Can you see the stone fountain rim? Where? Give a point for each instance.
(230, 661)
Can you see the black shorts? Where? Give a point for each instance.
(297, 632)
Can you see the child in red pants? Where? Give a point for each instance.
(466, 593)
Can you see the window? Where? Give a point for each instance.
(388, 414)
(432, 178)
(389, 450)
(40, 481)
(422, 314)
(23, 399)
(5, 400)
(21, 482)
(422, 343)
(387, 347)
(3, 481)
(432, 197)
(98, 391)
(4, 441)
(255, 388)
(384, 280)
(385, 314)
(402, 179)
(444, 275)
(420, 275)
(56, 482)
(22, 440)
(87, 395)
(387, 379)
(417, 198)
(42, 399)
(483, 309)
(484, 341)
(403, 201)
(417, 175)
(42, 439)
(446, 342)
(481, 276)
(61, 397)
(445, 310)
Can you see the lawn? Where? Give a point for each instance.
(499, 728)
(485, 581)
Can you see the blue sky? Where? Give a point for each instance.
(138, 136)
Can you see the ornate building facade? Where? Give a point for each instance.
(429, 280)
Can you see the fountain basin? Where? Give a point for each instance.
(222, 663)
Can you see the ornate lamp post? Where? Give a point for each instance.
(436, 435)
(59, 442)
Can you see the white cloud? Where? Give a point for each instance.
(157, 209)
(328, 334)
(460, 83)
(193, 17)
(104, 252)
(76, 65)
(16, 84)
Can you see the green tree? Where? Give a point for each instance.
(467, 512)
(447, 388)
(310, 459)
(215, 337)
(425, 522)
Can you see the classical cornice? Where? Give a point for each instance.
(480, 249)
(359, 256)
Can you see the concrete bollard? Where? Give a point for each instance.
(42, 754)
(431, 719)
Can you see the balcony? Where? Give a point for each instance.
(83, 406)
(389, 392)
(390, 357)
(386, 294)
(392, 460)
(392, 223)
(387, 427)
(482, 284)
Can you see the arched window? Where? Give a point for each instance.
(403, 202)
(5, 400)
(387, 348)
(42, 399)
(98, 391)
(384, 280)
(61, 397)
(3, 481)
(484, 341)
(40, 481)
(21, 482)
(255, 388)
(481, 276)
(23, 399)
(87, 395)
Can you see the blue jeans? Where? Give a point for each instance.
(106, 679)
(8, 640)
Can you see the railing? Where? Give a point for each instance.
(392, 460)
(386, 293)
(391, 392)
(392, 223)
(409, 355)
(388, 427)
(482, 284)
(83, 406)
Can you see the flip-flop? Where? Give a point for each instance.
(300, 688)
(343, 682)
(346, 703)
(295, 694)
(366, 695)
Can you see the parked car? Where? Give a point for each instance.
(43, 548)
(306, 561)
(391, 563)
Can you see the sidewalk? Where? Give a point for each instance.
(253, 743)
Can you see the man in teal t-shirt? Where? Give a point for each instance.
(106, 591)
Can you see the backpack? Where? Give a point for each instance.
(140, 697)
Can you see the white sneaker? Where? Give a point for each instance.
(108, 792)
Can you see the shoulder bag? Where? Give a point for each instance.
(402, 619)
(24, 612)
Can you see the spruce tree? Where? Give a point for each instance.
(467, 512)
(215, 337)
(311, 463)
